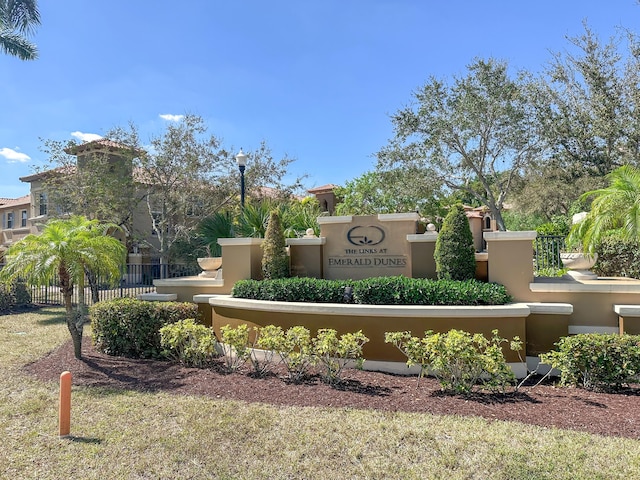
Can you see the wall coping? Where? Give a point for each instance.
(335, 219)
(398, 217)
(307, 241)
(427, 237)
(157, 297)
(510, 310)
(229, 242)
(551, 308)
(189, 282)
(204, 297)
(627, 310)
(587, 286)
(509, 236)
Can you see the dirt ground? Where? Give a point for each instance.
(616, 414)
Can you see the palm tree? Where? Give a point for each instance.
(18, 18)
(67, 249)
(616, 207)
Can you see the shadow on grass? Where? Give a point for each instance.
(89, 440)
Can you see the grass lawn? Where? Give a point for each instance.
(133, 435)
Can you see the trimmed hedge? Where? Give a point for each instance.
(375, 291)
(131, 328)
(303, 289)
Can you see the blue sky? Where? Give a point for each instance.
(316, 79)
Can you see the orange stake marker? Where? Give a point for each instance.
(65, 404)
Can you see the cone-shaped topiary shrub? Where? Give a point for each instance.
(275, 262)
(455, 254)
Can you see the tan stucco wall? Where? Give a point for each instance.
(374, 327)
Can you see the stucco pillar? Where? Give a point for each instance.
(241, 259)
(423, 247)
(510, 261)
(305, 255)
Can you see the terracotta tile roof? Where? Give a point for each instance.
(322, 189)
(100, 144)
(47, 173)
(12, 202)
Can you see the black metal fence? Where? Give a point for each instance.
(135, 279)
(547, 251)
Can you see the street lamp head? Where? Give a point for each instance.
(241, 159)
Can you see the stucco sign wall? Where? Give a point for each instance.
(367, 246)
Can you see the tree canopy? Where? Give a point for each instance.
(480, 128)
(18, 19)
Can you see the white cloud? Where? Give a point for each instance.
(14, 157)
(171, 118)
(86, 137)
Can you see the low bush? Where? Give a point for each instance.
(596, 361)
(334, 352)
(21, 294)
(14, 294)
(375, 291)
(131, 327)
(189, 343)
(235, 346)
(7, 299)
(459, 360)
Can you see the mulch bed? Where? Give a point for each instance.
(612, 414)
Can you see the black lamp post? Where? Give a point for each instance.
(241, 159)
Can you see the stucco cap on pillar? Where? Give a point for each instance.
(509, 236)
(232, 242)
(426, 237)
(306, 241)
(398, 217)
(335, 219)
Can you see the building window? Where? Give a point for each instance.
(23, 218)
(10, 220)
(43, 204)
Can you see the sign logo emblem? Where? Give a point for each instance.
(366, 236)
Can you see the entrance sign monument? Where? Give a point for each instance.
(367, 246)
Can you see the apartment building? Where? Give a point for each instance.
(16, 220)
(27, 214)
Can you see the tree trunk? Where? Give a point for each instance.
(73, 324)
(76, 334)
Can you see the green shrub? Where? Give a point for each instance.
(596, 361)
(618, 257)
(130, 327)
(14, 294)
(235, 346)
(302, 289)
(455, 253)
(21, 294)
(375, 291)
(275, 262)
(189, 343)
(334, 352)
(418, 291)
(459, 360)
(294, 346)
(7, 299)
